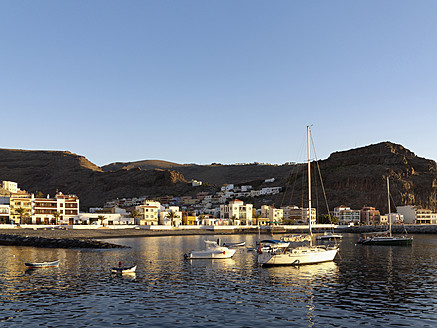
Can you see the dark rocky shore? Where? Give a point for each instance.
(26, 237)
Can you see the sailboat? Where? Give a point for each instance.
(301, 254)
(385, 237)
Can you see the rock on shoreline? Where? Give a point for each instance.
(14, 240)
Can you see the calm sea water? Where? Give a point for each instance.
(374, 286)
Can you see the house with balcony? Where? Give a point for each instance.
(346, 215)
(20, 207)
(4, 214)
(370, 215)
(10, 186)
(61, 209)
(148, 213)
(237, 212)
(274, 215)
(295, 214)
(416, 214)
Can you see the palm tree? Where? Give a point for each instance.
(257, 216)
(171, 215)
(134, 214)
(101, 218)
(56, 216)
(201, 218)
(21, 212)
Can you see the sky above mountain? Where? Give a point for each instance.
(217, 81)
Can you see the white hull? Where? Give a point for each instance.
(298, 256)
(212, 251)
(329, 236)
(124, 270)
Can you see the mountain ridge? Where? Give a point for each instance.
(354, 177)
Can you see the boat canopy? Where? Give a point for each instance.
(297, 238)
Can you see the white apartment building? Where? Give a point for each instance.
(166, 219)
(149, 213)
(44, 210)
(4, 213)
(299, 215)
(196, 183)
(416, 214)
(227, 187)
(345, 215)
(270, 191)
(101, 219)
(237, 211)
(246, 188)
(274, 215)
(10, 186)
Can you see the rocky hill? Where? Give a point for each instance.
(48, 171)
(357, 177)
(353, 178)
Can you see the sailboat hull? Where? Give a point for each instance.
(388, 241)
(298, 256)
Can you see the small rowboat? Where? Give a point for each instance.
(35, 265)
(124, 269)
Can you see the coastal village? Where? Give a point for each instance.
(224, 209)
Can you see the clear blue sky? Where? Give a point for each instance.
(217, 81)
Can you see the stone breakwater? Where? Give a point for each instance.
(16, 240)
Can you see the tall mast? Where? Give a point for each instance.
(309, 180)
(389, 209)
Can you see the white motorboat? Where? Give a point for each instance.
(213, 251)
(301, 254)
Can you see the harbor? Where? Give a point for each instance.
(364, 285)
(133, 232)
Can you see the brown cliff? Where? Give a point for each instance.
(357, 178)
(48, 171)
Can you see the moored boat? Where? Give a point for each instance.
(213, 251)
(299, 255)
(130, 269)
(385, 238)
(37, 265)
(266, 244)
(329, 236)
(240, 244)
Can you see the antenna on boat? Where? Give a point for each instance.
(389, 209)
(309, 179)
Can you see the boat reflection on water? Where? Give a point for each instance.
(307, 287)
(215, 264)
(298, 274)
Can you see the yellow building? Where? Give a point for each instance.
(188, 219)
(21, 201)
